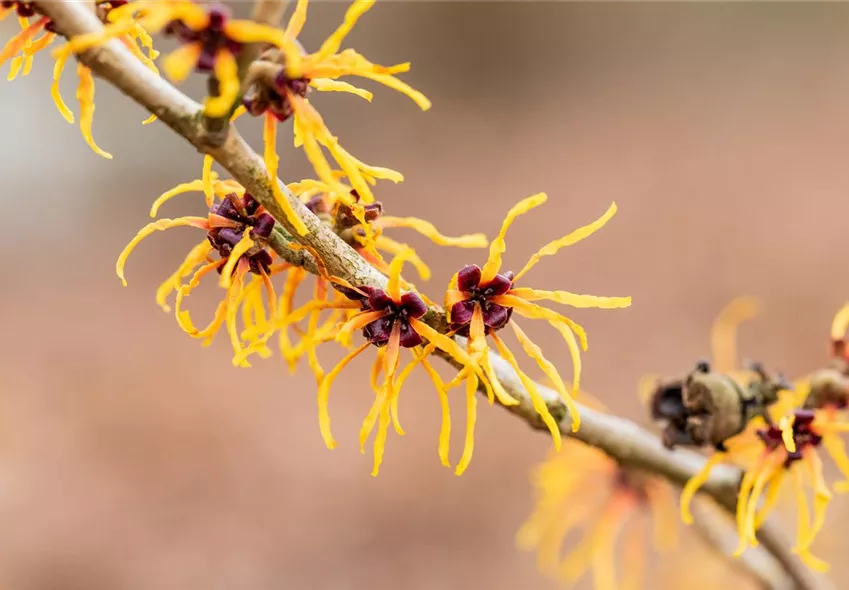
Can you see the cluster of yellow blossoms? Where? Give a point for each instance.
(242, 242)
(777, 441)
(39, 34)
(775, 437)
(751, 419)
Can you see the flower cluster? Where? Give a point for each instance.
(36, 36)
(775, 438)
(581, 489)
(481, 301)
(263, 70)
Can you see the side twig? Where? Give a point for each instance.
(621, 439)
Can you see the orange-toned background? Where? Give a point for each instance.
(132, 458)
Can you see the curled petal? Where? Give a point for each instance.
(445, 426)
(393, 287)
(446, 344)
(395, 84)
(178, 64)
(17, 43)
(227, 74)
(324, 395)
(207, 178)
(186, 187)
(840, 323)
(197, 255)
(694, 483)
(85, 95)
(297, 20)
(573, 299)
(537, 312)
(243, 245)
(535, 352)
(58, 67)
(498, 245)
(360, 321)
(536, 399)
(159, 225)
(332, 44)
(392, 247)
(328, 85)
(572, 238)
(471, 418)
(271, 162)
(723, 336)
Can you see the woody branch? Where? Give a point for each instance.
(623, 440)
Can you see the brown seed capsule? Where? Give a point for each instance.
(829, 387)
(708, 408)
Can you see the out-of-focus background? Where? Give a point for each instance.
(131, 458)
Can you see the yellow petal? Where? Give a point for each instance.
(573, 299)
(324, 396)
(393, 286)
(840, 323)
(186, 187)
(786, 426)
(159, 225)
(445, 426)
(536, 399)
(535, 352)
(328, 85)
(234, 294)
(178, 64)
(227, 74)
(471, 418)
(15, 68)
(392, 247)
(297, 20)
(85, 95)
(241, 247)
(207, 177)
(271, 163)
(428, 230)
(197, 255)
(537, 312)
(332, 44)
(54, 90)
(498, 245)
(572, 238)
(723, 335)
(17, 43)
(694, 483)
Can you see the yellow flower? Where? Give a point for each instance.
(210, 41)
(22, 48)
(581, 489)
(390, 320)
(280, 87)
(368, 238)
(479, 302)
(236, 228)
(783, 443)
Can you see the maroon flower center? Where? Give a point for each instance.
(23, 9)
(211, 38)
(633, 483)
(495, 316)
(396, 314)
(803, 435)
(242, 211)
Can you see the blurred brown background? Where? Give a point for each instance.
(131, 458)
